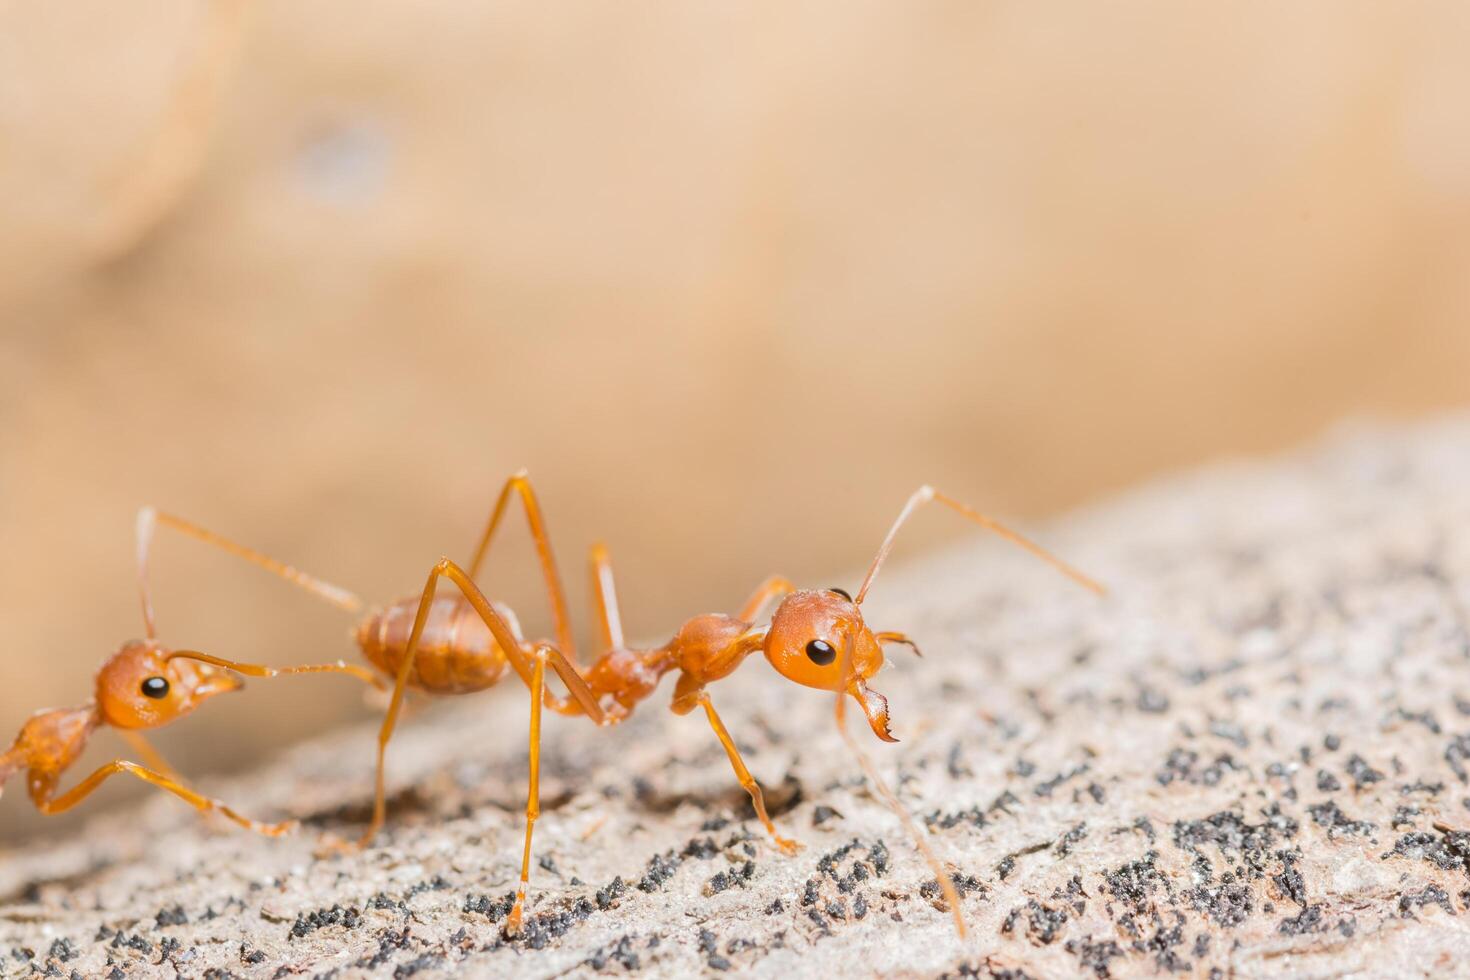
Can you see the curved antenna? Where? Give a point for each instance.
(927, 493)
(148, 521)
(891, 800)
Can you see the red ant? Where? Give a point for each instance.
(146, 685)
(461, 644)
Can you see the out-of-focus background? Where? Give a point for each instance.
(730, 279)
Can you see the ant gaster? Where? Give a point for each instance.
(464, 643)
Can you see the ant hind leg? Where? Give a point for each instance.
(533, 791)
(49, 804)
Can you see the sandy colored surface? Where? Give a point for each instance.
(1250, 760)
(730, 279)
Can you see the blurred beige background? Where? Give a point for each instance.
(730, 279)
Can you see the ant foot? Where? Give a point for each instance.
(788, 847)
(331, 845)
(276, 829)
(513, 921)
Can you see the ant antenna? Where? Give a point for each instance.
(890, 799)
(149, 519)
(260, 670)
(927, 493)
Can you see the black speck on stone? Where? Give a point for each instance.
(1308, 920)
(493, 909)
(660, 869)
(1330, 815)
(1290, 880)
(1428, 895)
(1331, 743)
(171, 917)
(1231, 732)
(1327, 782)
(702, 848)
(62, 949)
(606, 896)
(1044, 923)
(1094, 955)
(426, 961)
(1134, 883)
(878, 858)
(1450, 851)
(348, 918)
(1228, 904)
(1068, 840)
(1456, 754)
(1362, 773)
(621, 953)
(822, 814)
(1151, 701)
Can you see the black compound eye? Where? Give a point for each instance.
(820, 652)
(842, 592)
(155, 687)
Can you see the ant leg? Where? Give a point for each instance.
(520, 484)
(149, 519)
(48, 804)
(902, 639)
(508, 641)
(605, 596)
(150, 755)
(924, 495)
(946, 884)
(684, 701)
(260, 670)
(533, 792)
(772, 588)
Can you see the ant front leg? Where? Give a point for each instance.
(43, 786)
(772, 588)
(151, 756)
(688, 695)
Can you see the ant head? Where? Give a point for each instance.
(141, 687)
(819, 639)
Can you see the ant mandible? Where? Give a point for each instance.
(464, 643)
(146, 685)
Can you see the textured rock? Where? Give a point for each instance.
(1250, 760)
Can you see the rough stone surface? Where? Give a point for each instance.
(1253, 759)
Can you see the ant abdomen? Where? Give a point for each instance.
(456, 653)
